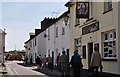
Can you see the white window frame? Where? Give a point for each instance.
(109, 45)
(107, 5)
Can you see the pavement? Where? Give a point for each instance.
(55, 72)
(3, 69)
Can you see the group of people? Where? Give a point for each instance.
(44, 61)
(63, 63)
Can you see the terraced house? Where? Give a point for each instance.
(96, 24)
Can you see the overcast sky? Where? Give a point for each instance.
(20, 18)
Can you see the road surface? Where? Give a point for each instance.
(14, 69)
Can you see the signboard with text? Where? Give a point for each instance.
(91, 28)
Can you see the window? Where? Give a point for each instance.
(84, 52)
(63, 30)
(56, 31)
(107, 5)
(48, 34)
(48, 52)
(35, 41)
(78, 44)
(109, 44)
(77, 21)
(96, 47)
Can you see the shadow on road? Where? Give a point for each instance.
(26, 65)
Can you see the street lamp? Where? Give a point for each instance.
(66, 17)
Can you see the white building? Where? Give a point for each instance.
(2, 45)
(36, 45)
(101, 29)
(58, 35)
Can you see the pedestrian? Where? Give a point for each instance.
(64, 65)
(58, 62)
(95, 61)
(76, 63)
(41, 60)
(44, 61)
(26, 59)
(49, 60)
(31, 60)
(23, 59)
(38, 61)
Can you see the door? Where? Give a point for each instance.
(90, 51)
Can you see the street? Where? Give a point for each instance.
(14, 69)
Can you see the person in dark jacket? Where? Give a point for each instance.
(38, 62)
(76, 63)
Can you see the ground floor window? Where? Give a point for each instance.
(77, 44)
(84, 52)
(109, 44)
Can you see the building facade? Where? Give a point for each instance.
(58, 35)
(2, 45)
(99, 26)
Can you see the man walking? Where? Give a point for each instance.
(64, 64)
(38, 62)
(95, 61)
(49, 60)
(76, 63)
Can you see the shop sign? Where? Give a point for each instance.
(91, 28)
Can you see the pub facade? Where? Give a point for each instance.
(96, 24)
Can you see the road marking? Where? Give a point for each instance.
(14, 71)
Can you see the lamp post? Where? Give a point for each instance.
(66, 17)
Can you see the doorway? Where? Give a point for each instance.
(90, 51)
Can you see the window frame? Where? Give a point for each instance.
(109, 45)
(108, 6)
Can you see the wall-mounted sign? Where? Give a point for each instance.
(82, 10)
(91, 28)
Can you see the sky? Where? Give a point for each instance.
(20, 18)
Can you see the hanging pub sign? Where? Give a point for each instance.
(91, 28)
(82, 10)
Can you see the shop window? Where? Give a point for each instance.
(84, 52)
(109, 45)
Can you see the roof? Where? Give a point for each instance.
(54, 20)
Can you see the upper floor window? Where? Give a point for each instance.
(63, 30)
(77, 22)
(107, 5)
(35, 41)
(48, 34)
(56, 31)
